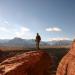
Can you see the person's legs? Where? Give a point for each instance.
(37, 45)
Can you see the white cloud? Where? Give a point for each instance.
(59, 39)
(5, 25)
(24, 29)
(4, 29)
(53, 29)
(24, 33)
(8, 30)
(6, 22)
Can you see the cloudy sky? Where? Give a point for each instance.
(52, 19)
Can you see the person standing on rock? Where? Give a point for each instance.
(67, 64)
(38, 39)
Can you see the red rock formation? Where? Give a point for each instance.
(29, 63)
(67, 64)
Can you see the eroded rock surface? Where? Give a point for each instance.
(29, 63)
(67, 64)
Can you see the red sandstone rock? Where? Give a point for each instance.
(67, 64)
(29, 63)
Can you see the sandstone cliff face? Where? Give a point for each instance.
(29, 63)
(67, 65)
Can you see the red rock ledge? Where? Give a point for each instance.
(29, 63)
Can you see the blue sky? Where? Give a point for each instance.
(52, 19)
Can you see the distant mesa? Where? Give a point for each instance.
(29, 43)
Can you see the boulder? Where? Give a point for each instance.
(29, 63)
